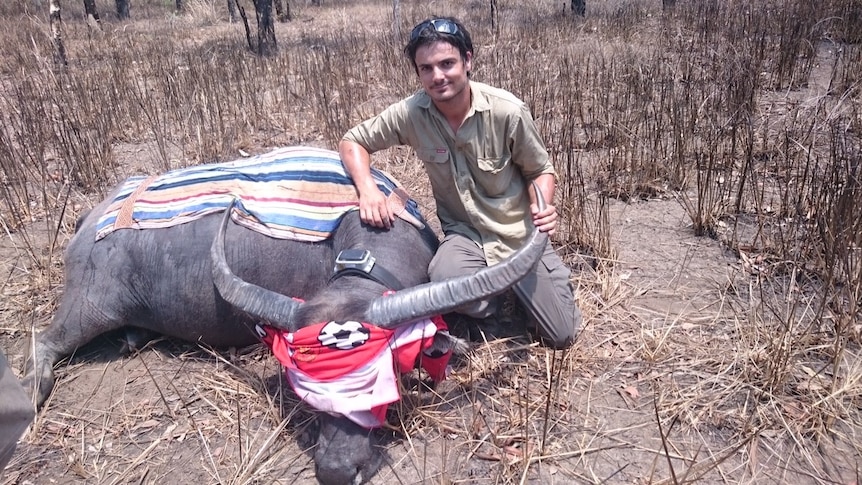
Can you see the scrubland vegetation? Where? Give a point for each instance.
(747, 113)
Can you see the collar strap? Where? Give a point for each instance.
(376, 273)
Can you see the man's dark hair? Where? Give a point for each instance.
(435, 29)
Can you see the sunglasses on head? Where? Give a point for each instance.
(440, 25)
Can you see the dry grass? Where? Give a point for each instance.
(749, 117)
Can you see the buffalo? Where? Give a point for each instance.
(213, 281)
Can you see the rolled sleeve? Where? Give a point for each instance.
(382, 131)
(527, 148)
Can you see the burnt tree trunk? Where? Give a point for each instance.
(266, 45)
(579, 7)
(282, 14)
(122, 9)
(92, 13)
(180, 6)
(57, 33)
(248, 37)
(396, 19)
(494, 15)
(231, 11)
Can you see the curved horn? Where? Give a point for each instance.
(277, 309)
(445, 296)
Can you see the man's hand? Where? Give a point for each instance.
(546, 220)
(373, 209)
(372, 202)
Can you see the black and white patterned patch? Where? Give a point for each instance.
(343, 336)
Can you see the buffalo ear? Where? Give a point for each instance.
(444, 342)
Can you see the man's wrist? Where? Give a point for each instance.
(366, 185)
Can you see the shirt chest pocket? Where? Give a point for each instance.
(493, 165)
(494, 175)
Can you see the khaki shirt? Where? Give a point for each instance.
(479, 176)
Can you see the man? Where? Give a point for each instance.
(481, 150)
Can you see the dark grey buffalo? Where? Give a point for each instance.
(211, 280)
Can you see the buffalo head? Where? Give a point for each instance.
(345, 451)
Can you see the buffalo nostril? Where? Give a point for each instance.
(338, 475)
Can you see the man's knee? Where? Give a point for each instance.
(562, 334)
(457, 256)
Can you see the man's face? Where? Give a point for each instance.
(442, 72)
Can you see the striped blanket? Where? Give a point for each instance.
(295, 193)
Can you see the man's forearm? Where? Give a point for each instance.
(547, 185)
(357, 162)
(373, 207)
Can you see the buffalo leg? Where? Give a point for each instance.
(76, 323)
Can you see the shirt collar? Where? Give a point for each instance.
(480, 102)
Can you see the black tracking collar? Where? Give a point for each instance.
(359, 262)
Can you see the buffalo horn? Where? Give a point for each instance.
(445, 296)
(275, 308)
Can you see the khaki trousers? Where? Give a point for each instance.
(546, 293)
